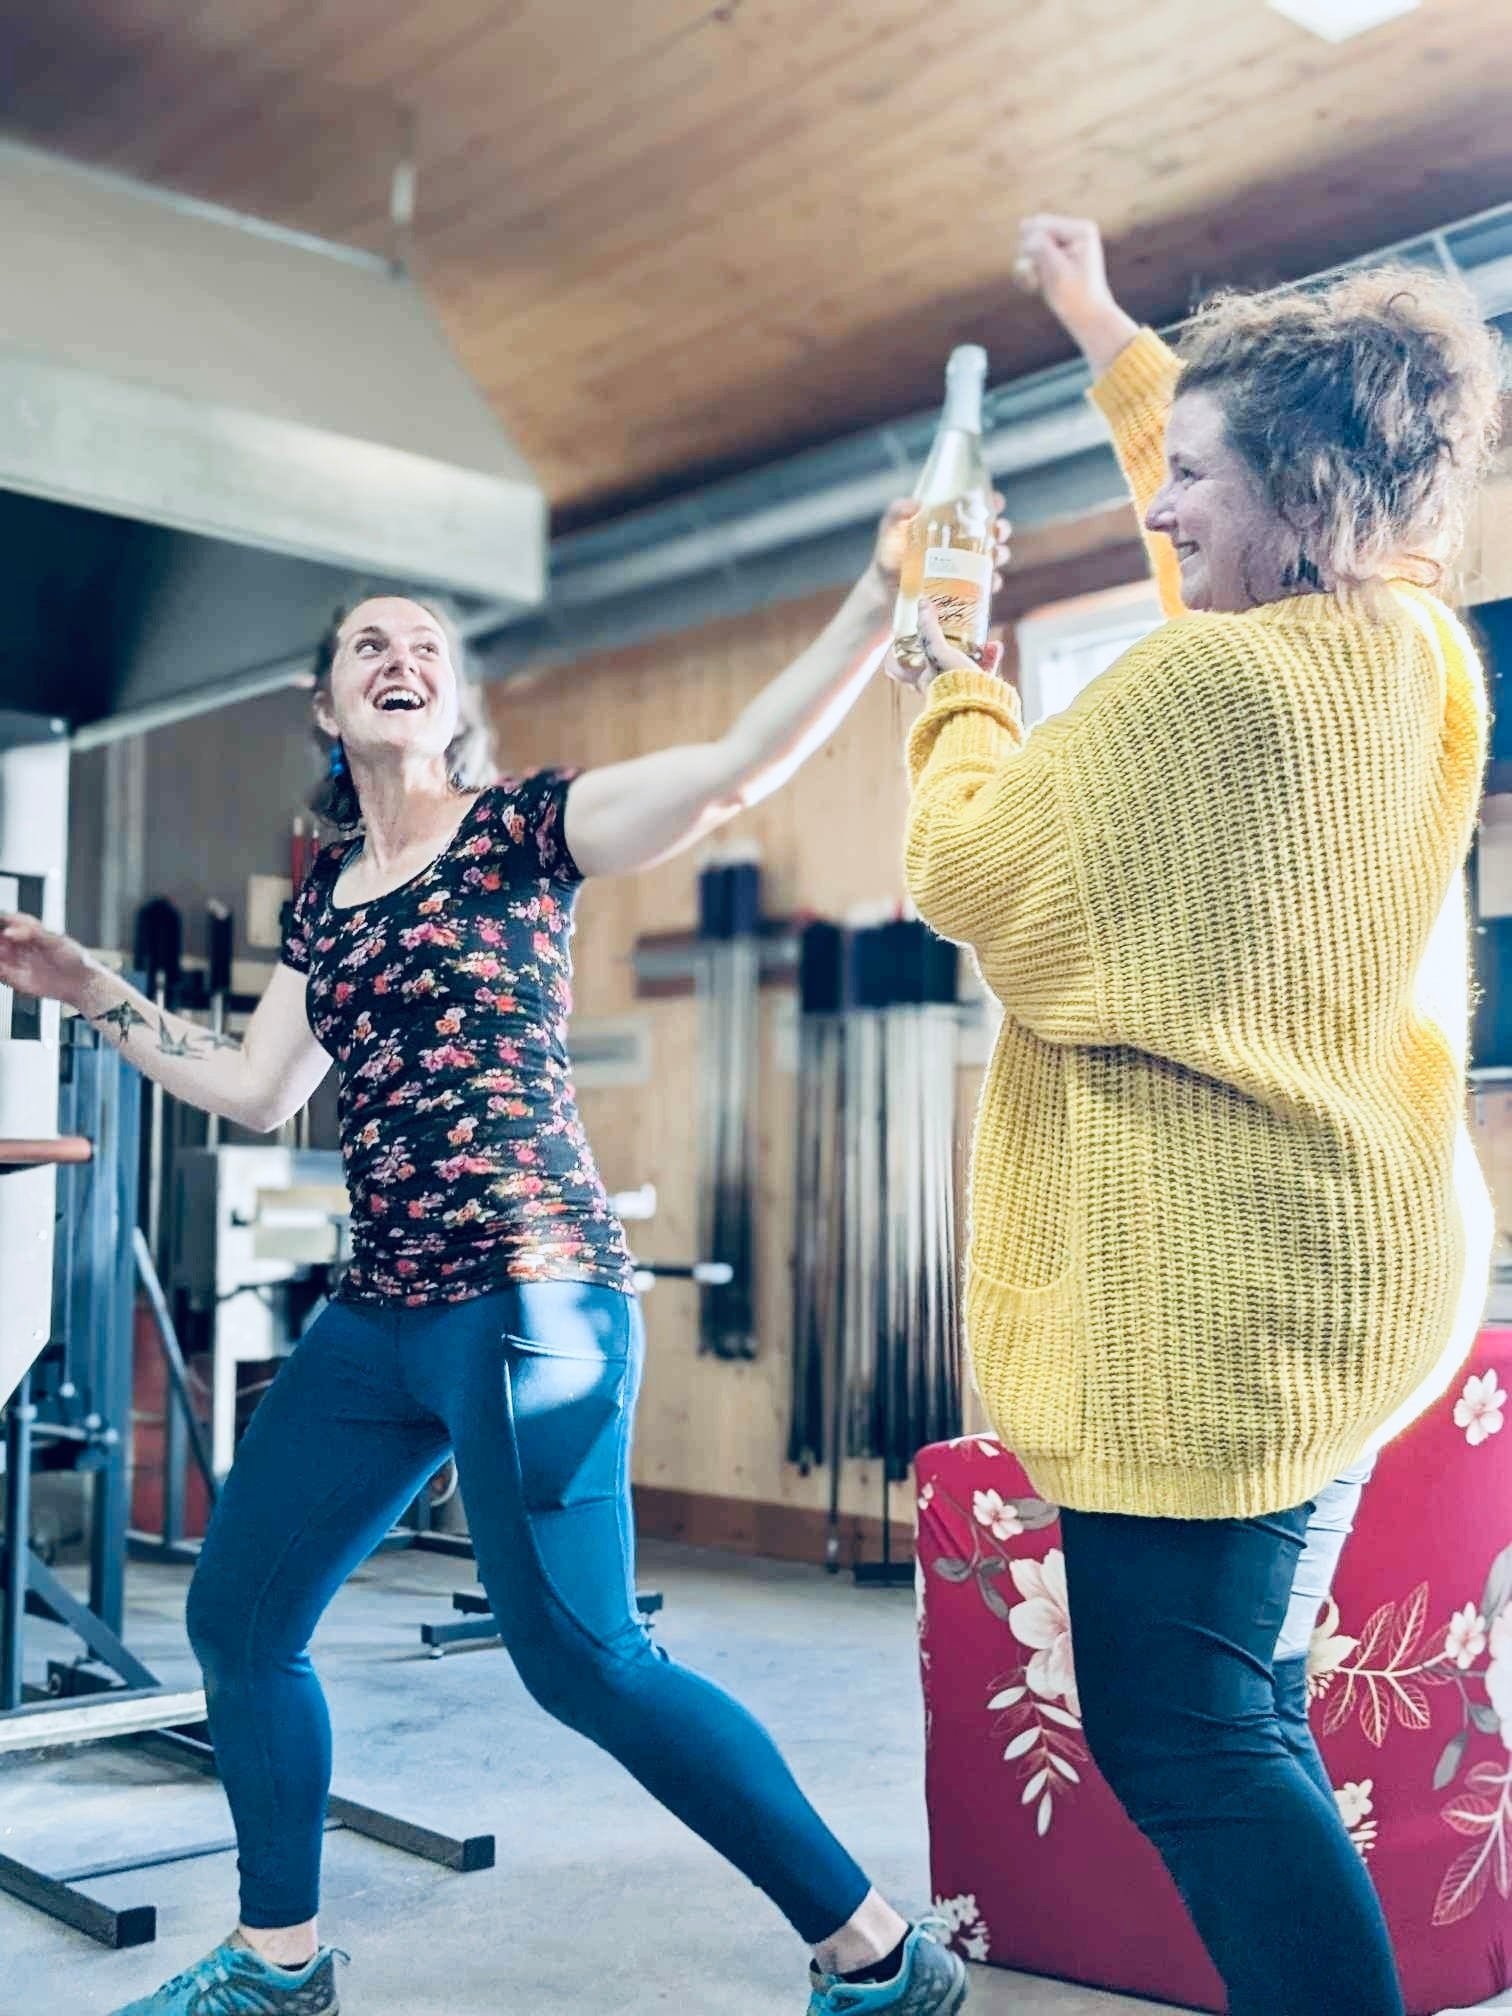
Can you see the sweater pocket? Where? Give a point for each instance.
(1029, 1361)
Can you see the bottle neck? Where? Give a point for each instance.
(963, 402)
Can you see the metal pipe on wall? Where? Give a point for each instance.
(728, 990)
(159, 954)
(221, 937)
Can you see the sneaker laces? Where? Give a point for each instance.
(232, 1981)
(200, 1975)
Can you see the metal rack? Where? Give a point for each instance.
(72, 1409)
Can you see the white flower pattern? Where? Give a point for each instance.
(1499, 1674)
(990, 1509)
(1481, 1408)
(1465, 1640)
(1042, 1622)
(1356, 1805)
(1356, 1801)
(967, 1927)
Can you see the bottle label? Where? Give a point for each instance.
(955, 563)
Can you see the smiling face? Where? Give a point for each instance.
(1235, 549)
(393, 688)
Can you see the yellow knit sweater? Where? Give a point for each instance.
(1227, 1232)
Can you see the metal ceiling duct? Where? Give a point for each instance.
(211, 430)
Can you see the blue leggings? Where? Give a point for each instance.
(533, 1390)
(1203, 1733)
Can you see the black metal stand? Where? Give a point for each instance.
(19, 1418)
(43, 1595)
(886, 1573)
(465, 1854)
(481, 1626)
(57, 1894)
(456, 1545)
(136, 1925)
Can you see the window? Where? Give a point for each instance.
(1065, 647)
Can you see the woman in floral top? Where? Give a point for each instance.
(489, 1310)
(444, 1003)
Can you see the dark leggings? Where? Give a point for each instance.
(1205, 1740)
(533, 1389)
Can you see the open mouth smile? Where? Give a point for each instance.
(399, 700)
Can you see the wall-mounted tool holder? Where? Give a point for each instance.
(876, 1343)
(729, 1037)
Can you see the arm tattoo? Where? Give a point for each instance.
(217, 1039)
(170, 1045)
(123, 1018)
(193, 1044)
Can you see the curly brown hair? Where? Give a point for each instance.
(470, 760)
(1369, 407)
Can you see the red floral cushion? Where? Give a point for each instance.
(1036, 1866)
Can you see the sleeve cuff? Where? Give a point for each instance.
(955, 691)
(1144, 372)
(970, 714)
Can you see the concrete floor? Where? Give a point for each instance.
(594, 1884)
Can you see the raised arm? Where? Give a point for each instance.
(1133, 372)
(258, 1082)
(628, 816)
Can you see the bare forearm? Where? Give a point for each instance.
(193, 1063)
(627, 816)
(1103, 334)
(801, 708)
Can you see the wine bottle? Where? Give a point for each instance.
(950, 554)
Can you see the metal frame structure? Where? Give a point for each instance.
(72, 1410)
(184, 1744)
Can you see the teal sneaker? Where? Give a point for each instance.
(236, 1981)
(932, 1982)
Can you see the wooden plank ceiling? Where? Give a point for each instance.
(672, 238)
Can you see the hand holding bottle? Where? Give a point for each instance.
(938, 655)
(1061, 258)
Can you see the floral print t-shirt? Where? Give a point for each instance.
(445, 1005)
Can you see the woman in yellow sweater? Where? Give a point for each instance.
(1228, 1233)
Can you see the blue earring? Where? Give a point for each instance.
(338, 763)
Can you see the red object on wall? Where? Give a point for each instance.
(149, 1441)
(1035, 1865)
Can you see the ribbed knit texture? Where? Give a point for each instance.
(1220, 1184)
